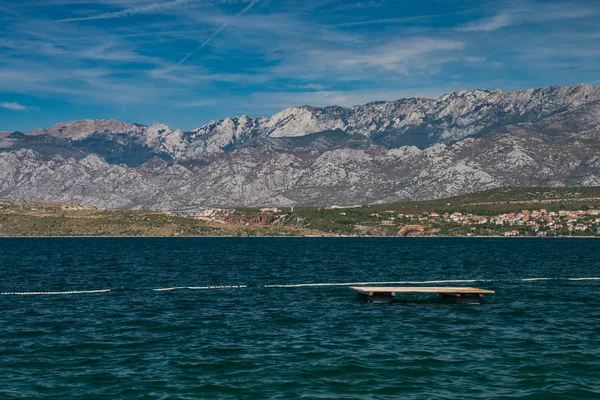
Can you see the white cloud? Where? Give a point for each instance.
(533, 13)
(398, 20)
(490, 24)
(308, 86)
(15, 106)
(359, 5)
(84, 85)
(421, 56)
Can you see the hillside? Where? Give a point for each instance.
(33, 218)
(27, 218)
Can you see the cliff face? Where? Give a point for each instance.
(378, 152)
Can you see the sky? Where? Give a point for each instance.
(187, 62)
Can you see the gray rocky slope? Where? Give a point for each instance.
(379, 152)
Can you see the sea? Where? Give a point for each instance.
(274, 318)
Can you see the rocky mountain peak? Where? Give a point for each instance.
(300, 121)
(78, 130)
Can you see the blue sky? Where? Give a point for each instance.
(186, 62)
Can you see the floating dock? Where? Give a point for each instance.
(387, 293)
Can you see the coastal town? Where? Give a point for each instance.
(525, 223)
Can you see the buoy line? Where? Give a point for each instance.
(65, 292)
(585, 279)
(200, 288)
(535, 279)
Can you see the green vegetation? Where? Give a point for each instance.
(505, 200)
(53, 219)
(369, 220)
(480, 213)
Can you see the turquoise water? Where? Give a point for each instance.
(534, 339)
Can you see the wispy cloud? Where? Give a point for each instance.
(149, 9)
(359, 5)
(533, 13)
(173, 33)
(84, 85)
(14, 106)
(491, 24)
(399, 20)
(309, 86)
(564, 52)
(422, 56)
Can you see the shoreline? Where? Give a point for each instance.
(299, 236)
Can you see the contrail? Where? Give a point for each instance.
(148, 9)
(128, 12)
(215, 33)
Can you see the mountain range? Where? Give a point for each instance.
(409, 149)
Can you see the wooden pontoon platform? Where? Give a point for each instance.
(387, 293)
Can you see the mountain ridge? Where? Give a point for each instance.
(407, 149)
(461, 93)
